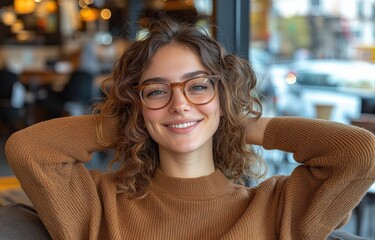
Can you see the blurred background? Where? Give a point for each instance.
(313, 58)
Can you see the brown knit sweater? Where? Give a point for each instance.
(337, 167)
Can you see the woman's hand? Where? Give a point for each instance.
(255, 130)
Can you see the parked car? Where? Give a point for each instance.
(310, 88)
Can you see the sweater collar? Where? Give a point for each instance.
(213, 184)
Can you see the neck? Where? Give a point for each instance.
(186, 165)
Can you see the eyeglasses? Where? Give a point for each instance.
(198, 90)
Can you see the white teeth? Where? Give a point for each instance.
(182, 125)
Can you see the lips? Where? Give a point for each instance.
(183, 125)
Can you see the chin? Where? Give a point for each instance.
(184, 149)
(189, 147)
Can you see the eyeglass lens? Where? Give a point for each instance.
(199, 90)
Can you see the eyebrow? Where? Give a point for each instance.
(185, 76)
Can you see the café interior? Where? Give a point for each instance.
(50, 44)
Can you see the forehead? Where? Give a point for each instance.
(172, 61)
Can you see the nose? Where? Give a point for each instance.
(178, 103)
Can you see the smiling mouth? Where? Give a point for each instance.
(183, 125)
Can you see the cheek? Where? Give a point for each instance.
(213, 110)
(218, 107)
(218, 102)
(149, 117)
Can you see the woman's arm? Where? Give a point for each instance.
(48, 159)
(337, 166)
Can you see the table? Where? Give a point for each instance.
(44, 77)
(56, 80)
(41, 82)
(38, 83)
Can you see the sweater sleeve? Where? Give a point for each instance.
(337, 168)
(48, 159)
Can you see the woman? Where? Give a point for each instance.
(182, 115)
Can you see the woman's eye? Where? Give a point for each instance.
(154, 91)
(198, 87)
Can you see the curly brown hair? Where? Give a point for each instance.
(137, 155)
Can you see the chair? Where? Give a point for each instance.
(21, 221)
(12, 99)
(78, 93)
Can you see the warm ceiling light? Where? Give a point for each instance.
(51, 6)
(8, 18)
(105, 14)
(89, 14)
(24, 6)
